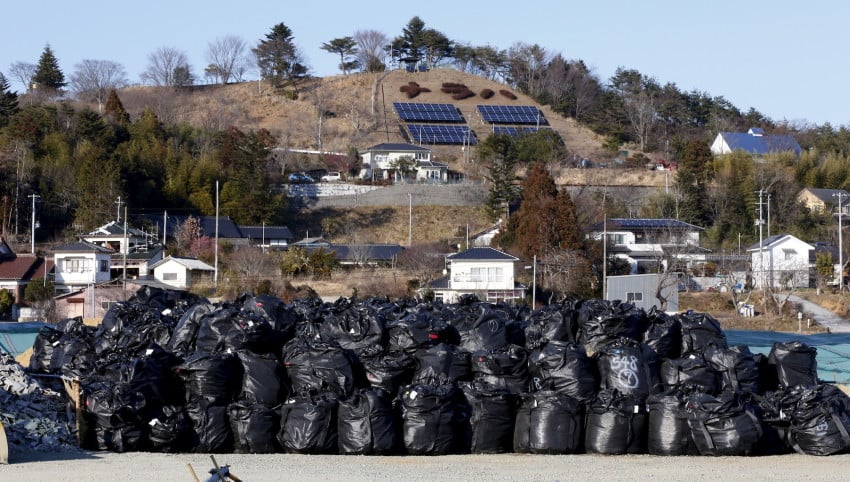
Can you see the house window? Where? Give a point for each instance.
(494, 275)
(76, 265)
(169, 276)
(634, 297)
(477, 275)
(617, 238)
(104, 266)
(789, 254)
(420, 156)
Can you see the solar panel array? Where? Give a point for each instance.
(422, 112)
(511, 114)
(441, 134)
(514, 131)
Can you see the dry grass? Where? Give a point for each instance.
(837, 303)
(719, 305)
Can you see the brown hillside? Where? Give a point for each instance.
(355, 108)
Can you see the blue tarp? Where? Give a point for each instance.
(833, 349)
(16, 338)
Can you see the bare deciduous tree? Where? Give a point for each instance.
(166, 67)
(23, 72)
(371, 53)
(93, 79)
(227, 56)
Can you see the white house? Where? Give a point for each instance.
(485, 272)
(381, 157)
(781, 261)
(182, 272)
(80, 264)
(755, 142)
(645, 243)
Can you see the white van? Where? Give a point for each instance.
(331, 177)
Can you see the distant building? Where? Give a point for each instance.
(781, 261)
(80, 264)
(182, 273)
(754, 142)
(484, 272)
(819, 200)
(381, 158)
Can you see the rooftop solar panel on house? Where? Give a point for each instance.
(511, 114)
(441, 134)
(422, 112)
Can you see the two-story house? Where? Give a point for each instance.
(781, 261)
(819, 200)
(648, 243)
(80, 264)
(485, 272)
(382, 159)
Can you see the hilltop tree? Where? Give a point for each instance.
(48, 75)
(23, 72)
(371, 50)
(346, 48)
(422, 43)
(114, 110)
(167, 67)
(8, 101)
(226, 57)
(278, 57)
(92, 80)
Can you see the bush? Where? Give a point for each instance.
(508, 94)
(412, 89)
(453, 87)
(486, 93)
(463, 94)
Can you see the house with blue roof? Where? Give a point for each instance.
(484, 272)
(754, 142)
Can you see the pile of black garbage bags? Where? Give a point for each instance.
(168, 371)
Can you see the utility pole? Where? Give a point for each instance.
(119, 203)
(760, 223)
(840, 195)
(215, 273)
(125, 249)
(534, 282)
(604, 256)
(409, 219)
(768, 215)
(32, 232)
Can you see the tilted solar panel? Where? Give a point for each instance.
(511, 114)
(441, 134)
(423, 112)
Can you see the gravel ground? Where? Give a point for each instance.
(127, 467)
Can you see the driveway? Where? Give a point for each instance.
(822, 316)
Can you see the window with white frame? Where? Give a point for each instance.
(477, 275)
(76, 265)
(494, 275)
(634, 297)
(169, 276)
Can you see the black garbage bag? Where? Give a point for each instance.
(261, 378)
(212, 376)
(210, 426)
(563, 367)
(367, 424)
(214, 329)
(689, 373)
(602, 322)
(308, 424)
(548, 422)
(795, 363)
(441, 364)
(737, 366)
(320, 367)
(724, 424)
(663, 334)
(78, 359)
(252, 332)
(354, 327)
(389, 370)
(171, 430)
(503, 367)
(282, 317)
(254, 426)
(183, 337)
(417, 330)
(616, 424)
(668, 432)
(43, 349)
(151, 374)
(820, 420)
(699, 331)
(116, 415)
(428, 419)
(487, 415)
(555, 322)
(628, 366)
(480, 329)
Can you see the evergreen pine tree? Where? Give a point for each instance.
(114, 110)
(8, 101)
(48, 75)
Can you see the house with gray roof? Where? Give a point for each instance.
(754, 142)
(819, 200)
(80, 264)
(381, 158)
(182, 273)
(484, 272)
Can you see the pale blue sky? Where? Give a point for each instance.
(786, 59)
